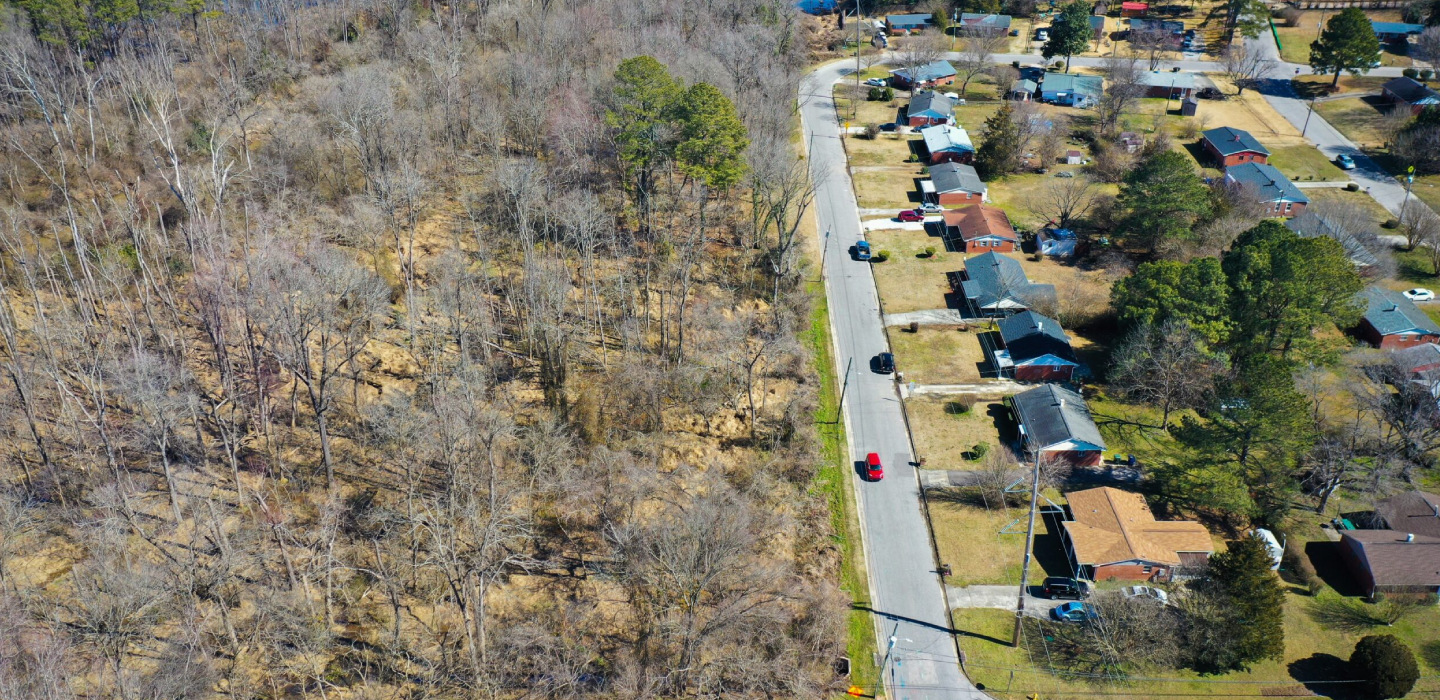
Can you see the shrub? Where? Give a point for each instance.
(959, 407)
(978, 452)
(1386, 665)
(914, 326)
(1426, 74)
(1410, 73)
(1295, 567)
(872, 131)
(1352, 187)
(880, 256)
(1391, 223)
(913, 158)
(876, 94)
(889, 94)
(929, 251)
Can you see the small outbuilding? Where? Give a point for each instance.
(1056, 242)
(1074, 157)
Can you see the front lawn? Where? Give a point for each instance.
(938, 354)
(1355, 117)
(908, 282)
(1305, 163)
(947, 428)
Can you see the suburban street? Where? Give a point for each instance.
(907, 593)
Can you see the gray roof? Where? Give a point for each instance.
(1167, 79)
(993, 278)
(943, 137)
(1229, 140)
(1029, 335)
(1090, 85)
(1052, 414)
(1310, 224)
(933, 70)
(1415, 512)
(910, 20)
(931, 103)
(981, 20)
(1139, 24)
(1411, 91)
(1390, 312)
(1097, 22)
(1272, 186)
(1025, 86)
(955, 177)
(1416, 359)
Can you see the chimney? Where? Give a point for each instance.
(1409, 537)
(1062, 403)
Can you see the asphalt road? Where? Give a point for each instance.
(906, 590)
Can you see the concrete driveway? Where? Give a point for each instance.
(1000, 598)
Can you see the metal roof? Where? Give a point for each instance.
(1052, 414)
(1396, 27)
(977, 19)
(943, 137)
(1069, 82)
(1272, 186)
(932, 104)
(1390, 312)
(910, 20)
(1167, 79)
(933, 70)
(995, 281)
(1229, 141)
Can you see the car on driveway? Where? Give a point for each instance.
(931, 208)
(876, 82)
(1073, 612)
(1419, 294)
(1345, 162)
(911, 215)
(1065, 587)
(885, 363)
(1146, 592)
(862, 251)
(874, 471)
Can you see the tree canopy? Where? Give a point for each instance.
(712, 137)
(1386, 665)
(999, 150)
(1162, 199)
(1348, 43)
(1195, 293)
(1240, 606)
(1070, 33)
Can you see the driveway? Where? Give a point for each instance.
(908, 597)
(1000, 598)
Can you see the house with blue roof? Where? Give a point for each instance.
(1395, 31)
(1392, 322)
(899, 24)
(926, 76)
(1071, 90)
(1033, 348)
(947, 144)
(1230, 146)
(1271, 188)
(980, 23)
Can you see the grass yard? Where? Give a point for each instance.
(1295, 41)
(1427, 188)
(1310, 85)
(1133, 429)
(968, 537)
(888, 186)
(886, 150)
(945, 432)
(907, 282)
(971, 116)
(866, 111)
(1248, 111)
(1305, 163)
(1356, 118)
(1413, 267)
(1350, 200)
(937, 354)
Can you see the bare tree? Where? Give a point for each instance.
(1167, 366)
(1124, 85)
(1423, 224)
(1393, 122)
(1060, 201)
(1245, 68)
(919, 51)
(1426, 47)
(1151, 42)
(976, 56)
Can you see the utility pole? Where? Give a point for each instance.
(1307, 118)
(853, 106)
(1029, 544)
(840, 408)
(1409, 180)
(885, 661)
(824, 254)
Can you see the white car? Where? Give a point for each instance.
(875, 82)
(1146, 592)
(1419, 294)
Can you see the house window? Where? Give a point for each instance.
(1287, 206)
(1147, 569)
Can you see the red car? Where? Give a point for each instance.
(911, 215)
(873, 470)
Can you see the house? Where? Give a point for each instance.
(1395, 31)
(1416, 512)
(1391, 321)
(1230, 146)
(1057, 242)
(953, 184)
(899, 24)
(1056, 427)
(980, 229)
(1074, 157)
(1171, 30)
(996, 285)
(929, 75)
(1022, 90)
(1134, 9)
(1313, 225)
(947, 144)
(1070, 89)
(1420, 363)
(1033, 348)
(978, 23)
(1269, 186)
(929, 108)
(1131, 141)
(1113, 534)
(1391, 561)
(1410, 92)
(1169, 85)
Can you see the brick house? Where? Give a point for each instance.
(1409, 92)
(1169, 85)
(995, 285)
(947, 144)
(980, 229)
(1384, 561)
(929, 108)
(1034, 348)
(1392, 322)
(1230, 146)
(1281, 197)
(927, 76)
(1114, 535)
(1056, 427)
(953, 184)
(975, 23)
(899, 24)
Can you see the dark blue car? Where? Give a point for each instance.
(862, 250)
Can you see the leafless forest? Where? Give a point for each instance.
(356, 349)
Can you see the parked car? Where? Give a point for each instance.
(1064, 173)
(862, 251)
(1210, 93)
(1042, 35)
(876, 82)
(911, 215)
(1073, 612)
(1345, 162)
(931, 208)
(1419, 294)
(885, 363)
(873, 469)
(1147, 592)
(1064, 587)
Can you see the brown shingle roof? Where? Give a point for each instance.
(1413, 511)
(978, 221)
(1111, 525)
(1395, 562)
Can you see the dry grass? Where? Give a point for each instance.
(944, 435)
(1250, 112)
(888, 186)
(887, 150)
(1356, 118)
(907, 282)
(1357, 200)
(1305, 163)
(937, 355)
(1307, 85)
(969, 539)
(1295, 41)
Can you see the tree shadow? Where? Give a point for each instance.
(1318, 672)
(1430, 653)
(1345, 614)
